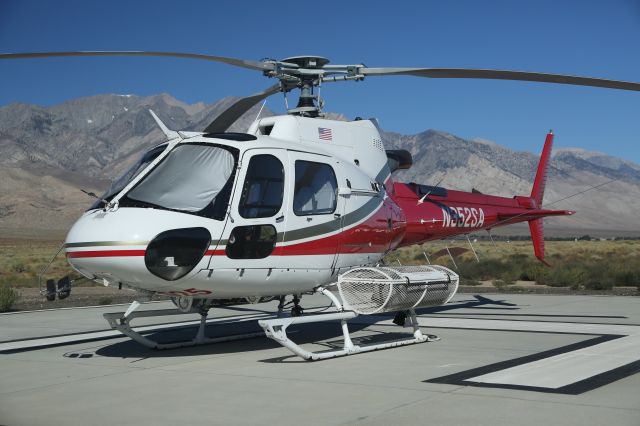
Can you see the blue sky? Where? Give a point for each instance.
(591, 38)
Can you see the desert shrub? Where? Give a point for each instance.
(18, 280)
(500, 284)
(564, 276)
(599, 282)
(419, 257)
(509, 276)
(532, 271)
(483, 270)
(8, 297)
(579, 265)
(19, 267)
(469, 281)
(626, 276)
(518, 258)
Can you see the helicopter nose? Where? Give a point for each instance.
(126, 247)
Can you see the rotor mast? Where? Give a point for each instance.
(304, 73)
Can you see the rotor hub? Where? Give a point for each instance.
(313, 62)
(304, 73)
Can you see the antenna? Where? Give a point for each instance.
(261, 108)
(170, 134)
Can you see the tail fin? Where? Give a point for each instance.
(536, 226)
(537, 193)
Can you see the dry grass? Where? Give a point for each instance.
(8, 297)
(594, 265)
(597, 265)
(21, 260)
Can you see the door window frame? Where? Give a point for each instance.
(245, 189)
(334, 183)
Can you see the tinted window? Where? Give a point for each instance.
(263, 187)
(315, 190)
(251, 242)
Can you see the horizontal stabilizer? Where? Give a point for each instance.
(533, 214)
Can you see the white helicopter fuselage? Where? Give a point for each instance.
(296, 203)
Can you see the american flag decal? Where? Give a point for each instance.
(325, 134)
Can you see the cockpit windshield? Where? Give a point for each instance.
(193, 178)
(119, 184)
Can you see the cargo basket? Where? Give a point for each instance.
(371, 290)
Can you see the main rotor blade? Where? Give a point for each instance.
(254, 65)
(239, 107)
(502, 75)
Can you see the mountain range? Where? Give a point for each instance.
(50, 153)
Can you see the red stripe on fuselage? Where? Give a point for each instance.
(105, 253)
(122, 253)
(371, 236)
(310, 248)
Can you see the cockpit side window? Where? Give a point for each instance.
(263, 188)
(119, 184)
(315, 189)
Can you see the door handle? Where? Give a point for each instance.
(337, 216)
(280, 219)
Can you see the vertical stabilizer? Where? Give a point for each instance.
(536, 227)
(537, 193)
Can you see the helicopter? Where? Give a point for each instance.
(298, 204)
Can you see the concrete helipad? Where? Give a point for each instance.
(502, 359)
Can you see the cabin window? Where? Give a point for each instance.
(251, 242)
(263, 188)
(315, 189)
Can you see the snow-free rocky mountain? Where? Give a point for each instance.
(49, 154)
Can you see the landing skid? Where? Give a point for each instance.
(363, 291)
(276, 329)
(121, 321)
